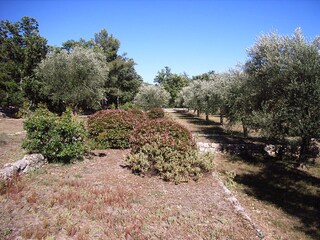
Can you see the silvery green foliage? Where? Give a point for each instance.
(75, 77)
(284, 81)
(205, 95)
(285, 78)
(151, 96)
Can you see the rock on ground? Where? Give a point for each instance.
(27, 164)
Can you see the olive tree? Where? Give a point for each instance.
(151, 96)
(284, 77)
(71, 78)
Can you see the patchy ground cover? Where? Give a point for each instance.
(11, 136)
(100, 198)
(282, 200)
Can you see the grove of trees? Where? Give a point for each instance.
(277, 90)
(88, 74)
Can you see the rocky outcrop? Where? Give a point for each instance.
(27, 164)
(2, 115)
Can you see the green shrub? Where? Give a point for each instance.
(163, 147)
(128, 106)
(169, 163)
(112, 128)
(164, 132)
(59, 139)
(155, 113)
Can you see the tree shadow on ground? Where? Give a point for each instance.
(277, 182)
(294, 191)
(215, 132)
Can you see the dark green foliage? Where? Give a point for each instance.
(171, 82)
(59, 139)
(165, 148)
(112, 128)
(21, 49)
(155, 113)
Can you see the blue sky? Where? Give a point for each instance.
(186, 35)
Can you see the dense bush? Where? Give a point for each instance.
(166, 148)
(57, 138)
(155, 113)
(112, 128)
(169, 163)
(164, 132)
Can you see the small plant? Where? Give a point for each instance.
(155, 113)
(112, 128)
(3, 139)
(11, 187)
(32, 198)
(58, 139)
(230, 176)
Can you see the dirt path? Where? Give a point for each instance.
(281, 200)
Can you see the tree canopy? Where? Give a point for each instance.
(284, 77)
(73, 78)
(122, 82)
(151, 96)
(21, 49)
(171, 82)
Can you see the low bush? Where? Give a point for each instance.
(169, 163)
(163, 147)
(164, 132)
(59, 139)
(155, 113)
(112, 128)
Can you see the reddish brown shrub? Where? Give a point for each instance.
(164, 132)
(155, 113)
(112, 128)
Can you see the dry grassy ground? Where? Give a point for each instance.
(100, 198)
(282, 200)
(11, 135)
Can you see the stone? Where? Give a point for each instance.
(2, 115)
(27, 164)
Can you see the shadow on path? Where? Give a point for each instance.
(277, 182)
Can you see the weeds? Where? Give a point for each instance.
(3, 139)
(12, 187)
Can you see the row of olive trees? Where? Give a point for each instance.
(276, 91)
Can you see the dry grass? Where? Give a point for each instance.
(99, 199)
(11, 135)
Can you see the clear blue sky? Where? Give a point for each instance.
(188, 35)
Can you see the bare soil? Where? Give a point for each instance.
(11, 136)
